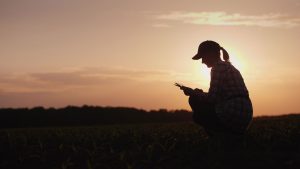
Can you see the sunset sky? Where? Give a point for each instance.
(129, 53)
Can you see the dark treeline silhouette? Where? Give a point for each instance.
(97, 115)
(86, 115)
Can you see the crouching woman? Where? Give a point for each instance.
(226, 107)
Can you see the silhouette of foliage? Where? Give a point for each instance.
(86, 115)
(271, 142)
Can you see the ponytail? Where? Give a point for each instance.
(225, 54)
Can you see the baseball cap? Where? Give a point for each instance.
(206, 46)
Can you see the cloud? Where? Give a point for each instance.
(234, 19)
(161, 25)
(100, 77)
(94, 75)
(89, 85)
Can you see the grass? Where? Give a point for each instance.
(268, 143)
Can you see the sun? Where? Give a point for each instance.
(205, 72)
(236, 60)
(201, 75)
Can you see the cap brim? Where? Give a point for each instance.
(197, 57)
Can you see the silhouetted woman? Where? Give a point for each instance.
(226, 107)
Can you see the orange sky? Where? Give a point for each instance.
(130, 52)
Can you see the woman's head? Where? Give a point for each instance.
(209, 51)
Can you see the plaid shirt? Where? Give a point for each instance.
(226, 88)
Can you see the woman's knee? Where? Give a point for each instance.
(193, 100)
(194, 103)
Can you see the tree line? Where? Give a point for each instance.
(86, 115)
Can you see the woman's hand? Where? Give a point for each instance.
(187, 91)
(198, 90)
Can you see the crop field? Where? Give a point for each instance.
(269, 143)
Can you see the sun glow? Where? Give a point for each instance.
(236, 60)
(205, 71)
(201, 75)
(202, 72)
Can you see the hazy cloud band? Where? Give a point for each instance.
(235, 19)
(82, 77)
